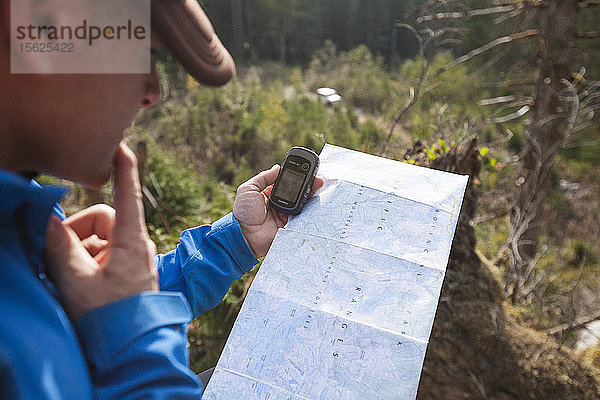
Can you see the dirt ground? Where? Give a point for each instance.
(476, 350)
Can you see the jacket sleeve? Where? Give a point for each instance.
(136, 348)
(205, 263)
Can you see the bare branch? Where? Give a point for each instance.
(478, 384)
(469, 14)
(578, 323)
(529, 3)
(492, 61)
(507, 16)
(525, 277)
(506, 138)
(517, 114)
(413, 92)
(486, 47)
(524, 105)
(496, 100)
(589, 3)
(574, 102)
(582, 126)
(454, 42)
(421, 9)
(589, 98)
(510, 84)
(531, 272)
(588, 35)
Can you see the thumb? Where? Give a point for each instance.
(265, 178)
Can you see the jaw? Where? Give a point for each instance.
(88, 170)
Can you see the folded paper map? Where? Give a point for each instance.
(344, 302)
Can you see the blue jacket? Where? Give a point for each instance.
(132, 348)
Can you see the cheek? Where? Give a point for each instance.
(102, 128)
(127, 91)
(112, 99)
(94, 167)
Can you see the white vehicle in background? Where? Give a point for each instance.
(329, 95)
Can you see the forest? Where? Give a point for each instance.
(507, 91)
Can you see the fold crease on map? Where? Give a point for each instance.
(344, 303)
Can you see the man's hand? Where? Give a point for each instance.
(258, 221)
(100, 255)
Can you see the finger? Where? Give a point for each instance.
(95, 220)
(101, 256)
(127, 193)
(317, 184)
(265, 178)
(63, 251)
(68, 266)
(268, 191)
(94, 244)
(282, 219)
(57, 242)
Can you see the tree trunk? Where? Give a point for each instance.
(250, 27)
(282, 48)
(476, 351)
(544, 140)
(238, 29)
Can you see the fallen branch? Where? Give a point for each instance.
(588, 3)
(578, 323)
(588, 35)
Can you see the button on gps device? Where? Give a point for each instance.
(295, 179)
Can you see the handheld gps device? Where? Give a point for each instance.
(295, 179)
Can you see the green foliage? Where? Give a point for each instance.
(356, 74)
(205, 142)
(291, 31)
(370, 137)
(491, 236)
(516, 142)
(183, 198)
(422, 128)
(584, 148)
(436, 150)
(174, 185)
(247, 126)
(555, 198)
(583, 253)
(489, 163)
(456, 90)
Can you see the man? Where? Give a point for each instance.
(97, 315)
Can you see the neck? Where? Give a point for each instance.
(14, 153)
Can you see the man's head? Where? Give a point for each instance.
(70, 125)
